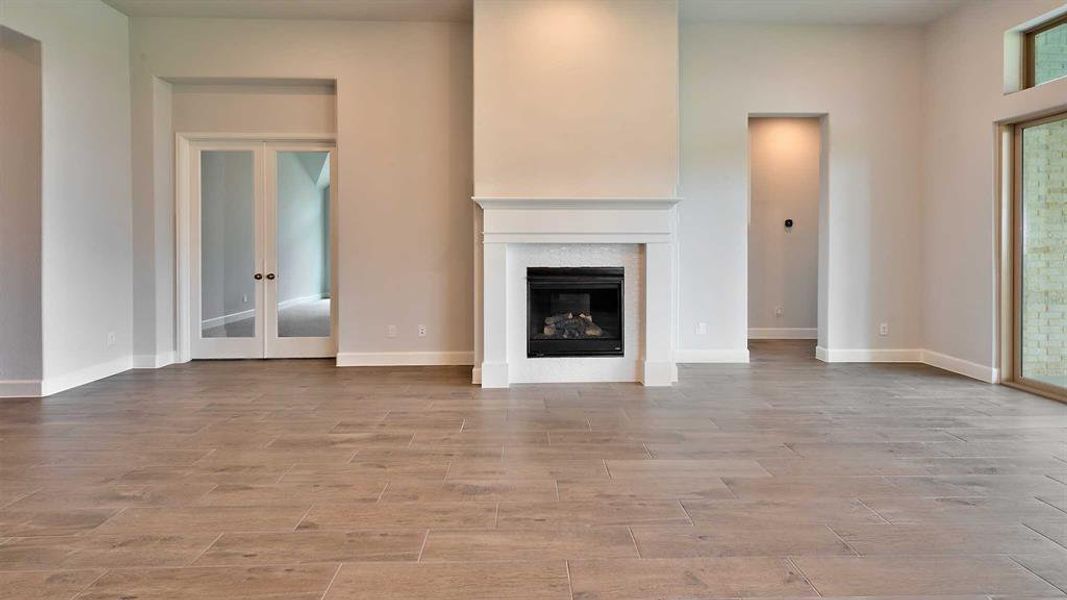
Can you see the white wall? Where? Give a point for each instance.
(20, 205)
(576, 98)
(404, 164)
(963, 98)
(86, 222)
(867, 80)
(783, 264)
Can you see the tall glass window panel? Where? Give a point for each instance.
(303, 244)
(227, 244)
(1043, 293)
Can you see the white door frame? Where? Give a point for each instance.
(186, 187)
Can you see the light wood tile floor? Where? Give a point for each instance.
(784, 478)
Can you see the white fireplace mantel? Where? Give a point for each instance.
(650, 222)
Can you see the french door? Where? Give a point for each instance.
(1040, 261)
(261, 249)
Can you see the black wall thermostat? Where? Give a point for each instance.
(788, 223)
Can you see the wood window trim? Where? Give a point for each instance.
(1016, 379)
(1029, 57)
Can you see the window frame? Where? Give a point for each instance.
(1029, 51)
(1016, 378)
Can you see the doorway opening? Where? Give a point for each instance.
(786, 173)
(258, 273)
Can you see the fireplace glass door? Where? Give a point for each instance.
(574, 311)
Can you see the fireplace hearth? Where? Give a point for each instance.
(574, 311)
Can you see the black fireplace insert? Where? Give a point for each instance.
(574, 311)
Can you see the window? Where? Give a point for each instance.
(1046, 52)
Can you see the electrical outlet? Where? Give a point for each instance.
(422, 331)
(111, 339)
(390, 331)
(244, 298)
(702, 329)
(883, 329)
(779, 311)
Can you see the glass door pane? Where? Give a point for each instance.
(302, 244)
(227, 244)
(1043, 248)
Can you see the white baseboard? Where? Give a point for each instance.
(868, 355)
(58, 383)
(398, 359)
(961, 366)
(154, 361)
(227, 319)
(717, 355)
(20, 388)
(783, 333)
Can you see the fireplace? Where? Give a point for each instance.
(574, 311)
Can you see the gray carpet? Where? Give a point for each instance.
(307, 319)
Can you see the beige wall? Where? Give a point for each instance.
(867, 81)
(963, 99)
(783, 264)
(404, 151)
(576, 98)
(20, 205)
(250, 107)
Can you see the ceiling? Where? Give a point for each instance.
(837, 12)
(352, 10)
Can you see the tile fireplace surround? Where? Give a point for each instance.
(635, 233)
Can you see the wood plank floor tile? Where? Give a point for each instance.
(684, 488)
(401, 515)
(589, 513)
(780, 512)
(300, 582)
(944, 540)
(920, 576)
(313, 546)
(686, 579)
(744, 539)
(451, 581)
(482, 469)
(22, 523)
(667, 468)
(45, 585)
(94, 550)
(289, 494)
(205, 519)
(411, 490)
(535, 544)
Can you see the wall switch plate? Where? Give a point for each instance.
(702, 329)
(390, 331)
(111, 338)
(422, 331)
(883, 329)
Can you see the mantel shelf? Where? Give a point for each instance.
(588, 203)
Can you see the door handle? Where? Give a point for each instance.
(257, 276)
(270, 276)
